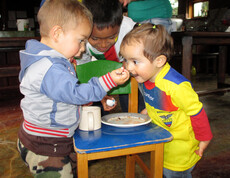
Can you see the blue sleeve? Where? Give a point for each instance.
(61, 86)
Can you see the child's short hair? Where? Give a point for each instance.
(106, 13)
(65, 13)
(155, 39)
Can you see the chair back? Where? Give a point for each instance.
(101, 67)
(98, 68)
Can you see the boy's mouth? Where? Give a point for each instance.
(103, 49)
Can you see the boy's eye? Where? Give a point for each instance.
(135, 62)
(112, 37)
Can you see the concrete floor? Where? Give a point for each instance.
(214, 164)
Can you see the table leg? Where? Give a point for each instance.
(142, 165)
(82, 165)
(130, 166)
(156, 161)
(187, 56)
(222, 66)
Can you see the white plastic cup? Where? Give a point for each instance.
(90, 118)
(23, 24)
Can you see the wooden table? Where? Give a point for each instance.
(112, 141)
(188, 39)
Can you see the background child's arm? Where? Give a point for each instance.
(107, 107)
(125, 2)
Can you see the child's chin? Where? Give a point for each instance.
(139, 80)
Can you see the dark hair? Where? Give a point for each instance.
(106, 13)
(155, 39)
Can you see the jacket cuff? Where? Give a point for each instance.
(107, 82)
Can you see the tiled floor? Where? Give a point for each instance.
(214, 164)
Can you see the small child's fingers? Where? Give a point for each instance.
(199, 152)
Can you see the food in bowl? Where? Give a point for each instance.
(126, 120)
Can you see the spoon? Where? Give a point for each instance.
(120, 73)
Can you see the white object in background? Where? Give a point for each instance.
(110, 102)
(177, 23)
(228, 29)
(93, 58)
(174, 28)
(23, 24)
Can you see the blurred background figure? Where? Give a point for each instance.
(153, 11)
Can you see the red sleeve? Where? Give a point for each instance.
(201, 126)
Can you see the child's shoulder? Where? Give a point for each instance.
(173, 76)
(127, 25)
(126, 21)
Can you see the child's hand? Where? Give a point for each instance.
(105, 106)
(125, 2)
(144, 111)
(202, 146)
(120, 75)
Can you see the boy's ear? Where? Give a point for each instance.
(56, 32)
(161, 60)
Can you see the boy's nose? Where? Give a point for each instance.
(82, 47)
(103, 43)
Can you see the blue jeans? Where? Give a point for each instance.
(177, 174)
(167, 22)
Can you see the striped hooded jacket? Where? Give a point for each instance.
(52, 96)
